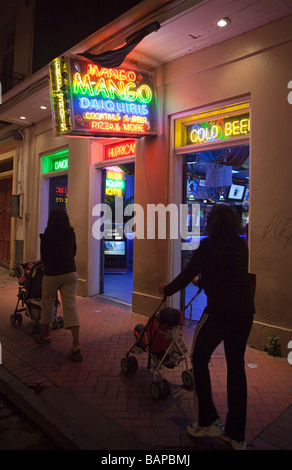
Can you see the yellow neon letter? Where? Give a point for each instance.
(145, 93)
(130, 95)
(101, 87)
(114, 89)
(214, 132)
(228, 129)
(84, 86)
(236, 127)
(244, 126)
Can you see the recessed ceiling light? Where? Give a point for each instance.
(43, 107)
(22, 117)
(223, 22)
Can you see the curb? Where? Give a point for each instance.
(66, 435)
(59, 428)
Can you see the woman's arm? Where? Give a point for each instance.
(192, 269)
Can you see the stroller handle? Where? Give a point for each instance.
(193, 298)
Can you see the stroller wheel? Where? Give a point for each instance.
(165, 387)
(125, 366)
(187, 378)
(30, 329)
(13, 320)
(157, 391)
(133, 363)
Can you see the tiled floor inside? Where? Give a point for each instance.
(119, 286)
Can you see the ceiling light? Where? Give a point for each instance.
(22, 117)
(223, 22)
(43, 107)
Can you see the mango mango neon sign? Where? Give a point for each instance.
(116, 101)
(91, 100)
(221, 129)
(102, 87)
(122, 85)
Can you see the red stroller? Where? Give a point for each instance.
(162, 339)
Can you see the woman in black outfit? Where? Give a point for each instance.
(222, 262)
(58, 250)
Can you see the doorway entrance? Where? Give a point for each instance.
(5, 221)
(58, 186)
(117, 248)
(213, 177)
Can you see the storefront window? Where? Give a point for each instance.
(212, 177)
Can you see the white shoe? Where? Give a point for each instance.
(236, 445)
(213, 430)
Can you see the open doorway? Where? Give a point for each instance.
(118, 251)
(58, 186)
(212, 177)
(5, 221)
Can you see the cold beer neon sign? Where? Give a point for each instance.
(219, 129)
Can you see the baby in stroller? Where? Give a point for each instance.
(23, 273)
(29, 296)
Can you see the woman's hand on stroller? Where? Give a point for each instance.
(196, 281)
(161, 289)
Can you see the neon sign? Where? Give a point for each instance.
(114, 183)
(100, 101)
(126, 148)
(219, 129)
(60, 99)
(61, 196)
(55, 162)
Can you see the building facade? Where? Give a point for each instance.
(238, 86)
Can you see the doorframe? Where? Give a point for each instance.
(5, 156)
(45, 188)
(175, 189)
(95, 253)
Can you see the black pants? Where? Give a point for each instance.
(210, 332)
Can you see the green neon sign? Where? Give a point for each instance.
(57, 161)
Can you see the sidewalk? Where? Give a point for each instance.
(90, 405)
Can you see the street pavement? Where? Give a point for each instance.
(17, 432)
(92, 406)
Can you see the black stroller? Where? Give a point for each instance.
(162, 339)
(29, 296)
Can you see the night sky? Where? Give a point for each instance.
(60, 24)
